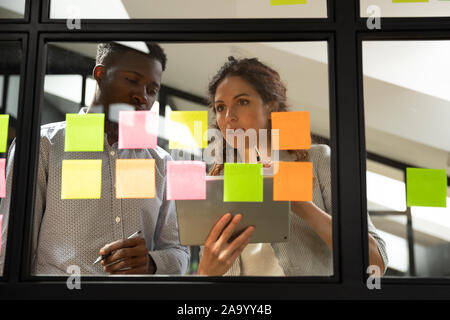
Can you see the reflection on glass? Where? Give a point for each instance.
(12, 9)
(406, 106)
(391, 9)
(9, 96)
(177, 9)
(96, 213)
(119, 79)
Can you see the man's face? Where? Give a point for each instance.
(130, 78)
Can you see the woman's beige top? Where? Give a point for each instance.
(305, 254)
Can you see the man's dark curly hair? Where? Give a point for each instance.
(108, 50)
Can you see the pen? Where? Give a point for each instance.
(258, 158)
(100, 258)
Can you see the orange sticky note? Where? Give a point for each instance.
(294, 130)
(293, 182)
(135, 178)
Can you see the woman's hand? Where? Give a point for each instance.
(219, 254)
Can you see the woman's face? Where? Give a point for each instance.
(239, 106)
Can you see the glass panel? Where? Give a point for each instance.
(125, 195)
(177, 9)
(9, 95)
(407, 105)
(407, 9)
(12, 9)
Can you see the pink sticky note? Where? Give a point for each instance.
(2, 178)
(138, 129)
(1, 229)
(186, 180)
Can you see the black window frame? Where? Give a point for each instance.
(344, 30)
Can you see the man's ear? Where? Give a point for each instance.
(99, 73)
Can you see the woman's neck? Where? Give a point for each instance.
(250, 153)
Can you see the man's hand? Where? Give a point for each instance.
(219, 252)
(129, 256)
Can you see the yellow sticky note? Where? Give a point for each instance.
(408, 1)
(81, 179)
(4, 126)
(135, 178)
(188, 129)
(286, 2)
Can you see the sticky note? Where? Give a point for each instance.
(135, 178)
(243, 182)
(406, 1)
(186, 180)
(138, 129)
(2, 178)
(188, 129)
(1, 231)
(293, 129)
(4, 125)
(84, 132)
(426, 187)
(81, 179)
(286, 2)
(293, 182)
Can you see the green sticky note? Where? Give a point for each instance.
(286, 2)
(426, 187)
(4, 125)
(243, 182)
(406, 1)
(84, 132)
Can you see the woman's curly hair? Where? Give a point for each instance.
(264, 80)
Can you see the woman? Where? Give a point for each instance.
(242, 96)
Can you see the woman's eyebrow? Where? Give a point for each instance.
(239, 95)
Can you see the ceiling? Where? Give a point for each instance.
(139, 9)
(199, 9)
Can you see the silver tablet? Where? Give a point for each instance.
(197, 217)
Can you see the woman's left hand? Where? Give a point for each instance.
(219, 252)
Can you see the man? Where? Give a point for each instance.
(76, 232)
